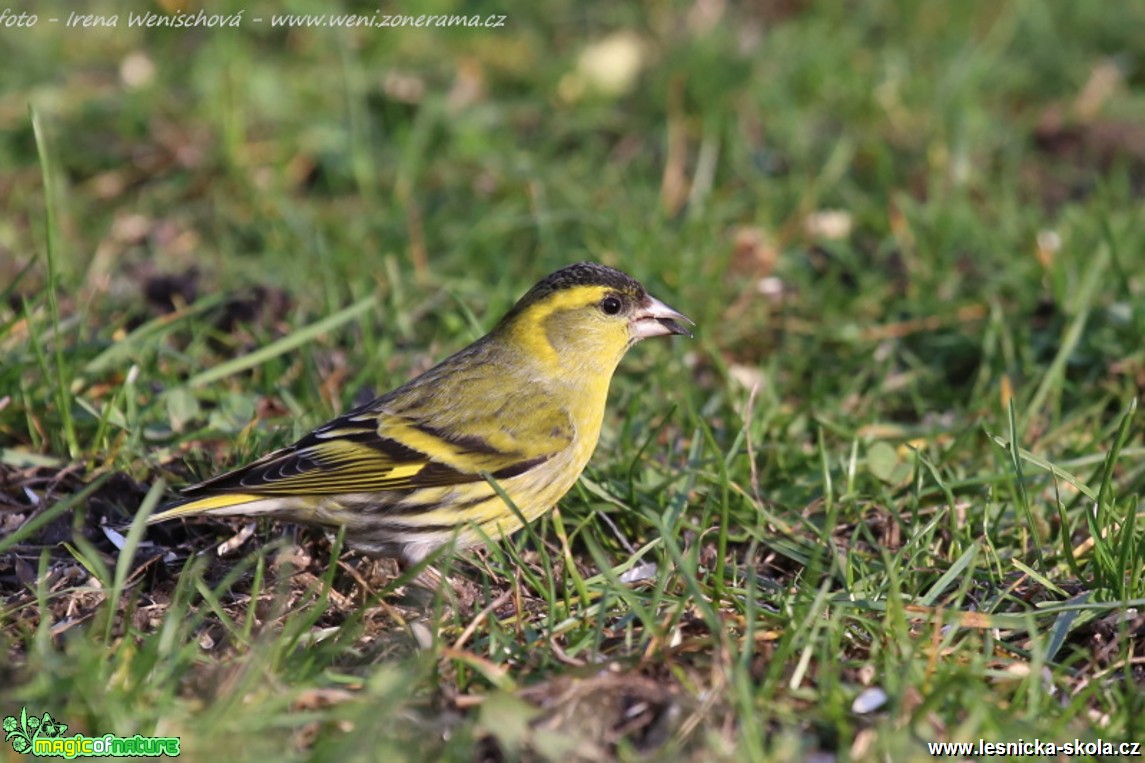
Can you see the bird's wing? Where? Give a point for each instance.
(370, 450)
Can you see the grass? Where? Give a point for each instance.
(888, 496)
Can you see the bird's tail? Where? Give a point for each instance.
(222, 504)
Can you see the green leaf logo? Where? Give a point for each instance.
(50, 729)
(20, 732)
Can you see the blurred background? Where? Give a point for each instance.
(909, 156)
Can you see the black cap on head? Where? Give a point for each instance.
(585, 274)
(580, 274)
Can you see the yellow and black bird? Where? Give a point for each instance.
(414, 469)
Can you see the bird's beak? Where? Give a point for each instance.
(654, 318)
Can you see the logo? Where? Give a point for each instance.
(45, 737)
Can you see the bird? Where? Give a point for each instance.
(513, 417)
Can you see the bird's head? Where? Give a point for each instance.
(587, 315)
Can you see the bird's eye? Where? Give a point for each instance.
(610, 305)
